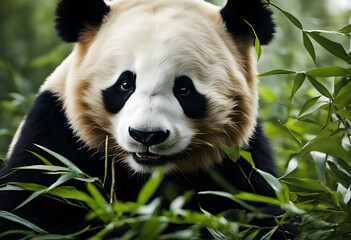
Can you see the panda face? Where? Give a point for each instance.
(165, 82)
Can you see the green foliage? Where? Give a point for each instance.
(305, 94)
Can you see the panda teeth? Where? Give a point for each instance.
(148, 155)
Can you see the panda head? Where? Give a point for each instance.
(169, 82)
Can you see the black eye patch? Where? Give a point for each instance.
(194, 104)
(117, 95)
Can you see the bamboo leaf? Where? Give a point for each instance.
(62, 180)
(273, 181)
(45, 168)
(329, 72)
(293, 163)
(61, 159)
(252, 235)
(334, 48)
(320, 162)
(22, 221)
(151, 186)
(305, 183)
(229, 196)
(329, 145)
(30, 198)
(248, 158)
(299, 79)
(319, 87)
(342, 177)
(257, 198)
(344, 114)
(269, 235)
(257, 42)
(12, 188)
(345, 29)
(276, 72)
(291, 17)
(309, 46)
(44, 160)
(232, 152)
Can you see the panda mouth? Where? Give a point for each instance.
(147, 158)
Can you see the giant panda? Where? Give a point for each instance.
(168, 83)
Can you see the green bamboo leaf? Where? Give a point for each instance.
(344, 165)
(273, 181)
(293, 133)
(328, 145)
(299, 79)
(343, 100)
(27, 233)
(62, 180)
(309, 46)
(269, 235)
(257, 42)
(50, 168)
(232, 152)
(334, 48)
(87, 180)
(44, 160)
(342, 177)
(248, 158)
(345, 29)
(320, 162)
(31, 198)
(329, 72)
(324, 31)
(99, 199)
(182, 234)
(70, 192)
(319, 87)
(344, 114)
(258, 198)
(276, 72)
(22, 221)
(12, 188)
(29, 186)
(291, 17)
(61, 159)
(252, 235)
(344, 194)
(229, 196)
(152, 228)
(341, 84)
(179, 202)
(293, 163)
(151, 186)
(305, 183)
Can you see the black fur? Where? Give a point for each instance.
(115, 97)
(74, 15)
(194, 104)
(255, 12)
(46, 125)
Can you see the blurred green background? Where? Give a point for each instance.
(30, 51)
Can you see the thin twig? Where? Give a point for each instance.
(113, 197)
(106, 157)
(248, 179)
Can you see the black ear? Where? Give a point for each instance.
(255, 12)
(73, 16)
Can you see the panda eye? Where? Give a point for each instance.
(126, 86)
(126, 81)
(184, 91)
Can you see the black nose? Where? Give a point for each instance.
(148, 138)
